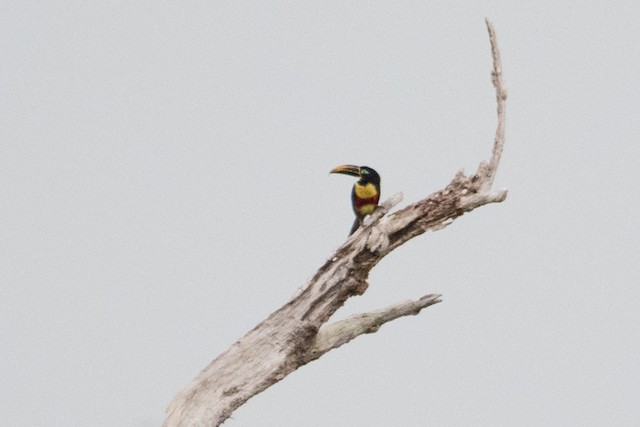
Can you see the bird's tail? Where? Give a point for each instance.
(355, 226)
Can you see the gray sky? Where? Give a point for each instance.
(164, 187)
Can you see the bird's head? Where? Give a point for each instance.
(365, 173)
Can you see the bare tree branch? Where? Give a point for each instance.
(296, 333)
(501, 99)
(335, 334)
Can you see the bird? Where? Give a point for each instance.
(365, 193)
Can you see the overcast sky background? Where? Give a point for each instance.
(164, 187)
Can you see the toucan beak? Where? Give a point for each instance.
(347, 170)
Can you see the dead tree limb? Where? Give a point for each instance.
(298, 332)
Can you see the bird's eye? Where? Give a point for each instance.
(364, 171)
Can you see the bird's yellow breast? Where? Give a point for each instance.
(367, 209)
(366, 191)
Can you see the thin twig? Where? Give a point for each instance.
(501, 98)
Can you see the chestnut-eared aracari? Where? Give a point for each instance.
(365, 193)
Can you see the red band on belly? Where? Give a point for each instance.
(364, 202)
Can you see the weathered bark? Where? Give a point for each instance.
(297, 333)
